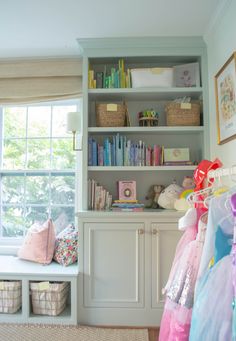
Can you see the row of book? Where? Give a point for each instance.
(115, 78)
(99, 199)
(120, 151)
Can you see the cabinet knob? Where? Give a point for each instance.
(140, 231)
(154, 231)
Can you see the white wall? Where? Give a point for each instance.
(221, 42)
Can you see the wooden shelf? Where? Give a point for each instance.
(140, 168)
(148, 130)
(140, 94)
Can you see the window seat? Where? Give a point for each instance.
(12, 268)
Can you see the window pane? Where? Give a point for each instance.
(13, 189)
(39, 154)
(62, 217)
(13, 223)
(39, 119)
(63, 155)
(37, 189)
(36, 215)
(59, 115)
(14, 154)
(63, 190)
(14, 122)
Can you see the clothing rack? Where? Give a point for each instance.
(220, 172)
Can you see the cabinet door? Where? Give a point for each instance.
(165, 237)
(114, 264)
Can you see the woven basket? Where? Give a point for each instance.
(178, 114)
(50, 301)
(10, 297)
(110, 115)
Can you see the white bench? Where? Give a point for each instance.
(12, 268)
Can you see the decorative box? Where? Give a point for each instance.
(176, 154)
(49, 298)
(10, 296)
(152, 77)
(187, 75)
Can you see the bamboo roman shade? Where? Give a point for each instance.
(29, 81)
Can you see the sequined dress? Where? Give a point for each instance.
(175, 324)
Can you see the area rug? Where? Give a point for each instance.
(39, 332)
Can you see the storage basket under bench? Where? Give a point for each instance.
(49, 298)
(10, 296)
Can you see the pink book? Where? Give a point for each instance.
(127, 190)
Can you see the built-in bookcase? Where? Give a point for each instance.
(102, 54)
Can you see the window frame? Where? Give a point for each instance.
(8, 245)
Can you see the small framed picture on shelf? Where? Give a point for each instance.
(187, 75)
(127, 190)
(225, 89)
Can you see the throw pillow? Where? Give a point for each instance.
(66, 249)
(39, 243)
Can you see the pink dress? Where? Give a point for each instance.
(188, 224)
(176, 319)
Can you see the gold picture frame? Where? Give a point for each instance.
(225, 90)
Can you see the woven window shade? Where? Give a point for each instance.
(30, 81)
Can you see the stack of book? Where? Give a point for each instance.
(99, 199)
(127, 197)
(127, 206)
(120, 151)
(114, 78)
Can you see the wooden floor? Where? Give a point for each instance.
(153, 334)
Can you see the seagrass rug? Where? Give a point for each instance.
(40, 332)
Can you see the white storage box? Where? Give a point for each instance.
(49, 298)
(10, 296)
(152, 77)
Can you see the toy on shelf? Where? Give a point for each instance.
(181, 204)
(148, 118)
(169, 195)
(153, 195)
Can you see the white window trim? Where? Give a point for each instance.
(10, 246)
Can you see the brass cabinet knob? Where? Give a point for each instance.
(154, 231)
(140, 231)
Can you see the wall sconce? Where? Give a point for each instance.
(74, 126)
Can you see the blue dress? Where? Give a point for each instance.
(212, 310)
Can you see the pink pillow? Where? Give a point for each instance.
(39, 243)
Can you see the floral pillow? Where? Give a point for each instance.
(66, 247)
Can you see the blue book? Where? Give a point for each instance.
(113, 151)
(94, 153)
(119, 151)
(90, 152)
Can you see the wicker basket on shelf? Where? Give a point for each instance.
(111, 115)
(182, 114)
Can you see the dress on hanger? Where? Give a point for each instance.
(175, 324)
(212, 311)
(219, 219)
(188, 224)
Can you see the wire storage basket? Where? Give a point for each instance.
(10, 296)
(111, 115)
(49, 298)
(182, 114)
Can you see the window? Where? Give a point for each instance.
(37, 175)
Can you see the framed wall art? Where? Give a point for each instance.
(225, 89)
